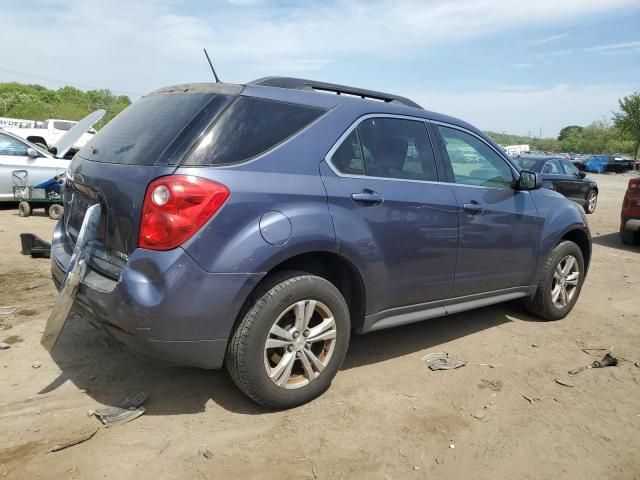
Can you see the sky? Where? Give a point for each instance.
(520, 67)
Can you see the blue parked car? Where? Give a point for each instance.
(259, 225)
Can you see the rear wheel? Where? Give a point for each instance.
(592, 201)
(291, 342)
(561, 282)
(24, 209)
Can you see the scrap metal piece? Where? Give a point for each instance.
(80, 439)
(75, 273)
(129, 409)
(443, 361)
(7, 310)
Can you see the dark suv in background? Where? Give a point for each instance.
(259, 225)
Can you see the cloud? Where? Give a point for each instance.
(525, 108)
(138, 46)
(616, 48)
(552, 38)
(522, 65)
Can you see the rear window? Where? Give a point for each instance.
(140, 133)
(249, 127)
(61, 125)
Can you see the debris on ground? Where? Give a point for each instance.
(607, 361)
(38, 284)
(35, 246)
(531, 399)
(205, 453)
(80, 439)
(4, 346)
(495, 385)
(7, 310)
(36, 364)
(129, 409)
(535, 345)
(479, 415)
(563, 383)
(443, 361)
(591, 350)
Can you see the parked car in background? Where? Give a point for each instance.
(607, 163)
(46, 134)
(25, 163)
(630, 215)
(258, 225)
(563, 176)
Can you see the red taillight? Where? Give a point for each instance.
(175, 207)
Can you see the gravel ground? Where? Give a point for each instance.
(385, 416)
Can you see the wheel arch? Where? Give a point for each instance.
(331, 266)
(580, 238)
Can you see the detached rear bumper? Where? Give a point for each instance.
(163, 304)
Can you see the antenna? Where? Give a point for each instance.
(211, 65)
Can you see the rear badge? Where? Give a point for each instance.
(123, 256)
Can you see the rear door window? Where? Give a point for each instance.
(388, 148)
(248, 127)
(397, 148)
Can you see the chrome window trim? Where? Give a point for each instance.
(425, 121)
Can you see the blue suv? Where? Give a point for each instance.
(258, 225)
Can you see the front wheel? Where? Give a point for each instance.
(561, 282)
(24, 209)
(592, 201)
(291, 342)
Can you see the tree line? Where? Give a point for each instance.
(620, 134)
(35, 102)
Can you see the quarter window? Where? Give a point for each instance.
(473, 161)
(11, 146)
(249, 127)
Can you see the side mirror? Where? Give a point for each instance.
(529, 181)
(581, 174)
(32, 153)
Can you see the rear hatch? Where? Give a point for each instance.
(147, 140)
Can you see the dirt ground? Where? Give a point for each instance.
(385, 416)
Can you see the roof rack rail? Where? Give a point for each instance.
(303, 84)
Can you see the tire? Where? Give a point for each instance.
(250, 362)
(628, 237)
(24, 209)
(542, 303)
(592, 201)
(55, 211)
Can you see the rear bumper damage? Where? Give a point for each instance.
(163, 305)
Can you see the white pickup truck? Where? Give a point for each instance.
(44, 134)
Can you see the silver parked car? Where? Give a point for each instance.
(23, 163)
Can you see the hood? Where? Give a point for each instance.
(69, 139)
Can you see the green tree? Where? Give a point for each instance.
(570, 131)
(627, 120)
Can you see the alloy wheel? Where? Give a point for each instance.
(565, 281)
(592, 201)
(300, 344)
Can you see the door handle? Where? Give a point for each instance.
(367, 197)
(473, 208)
